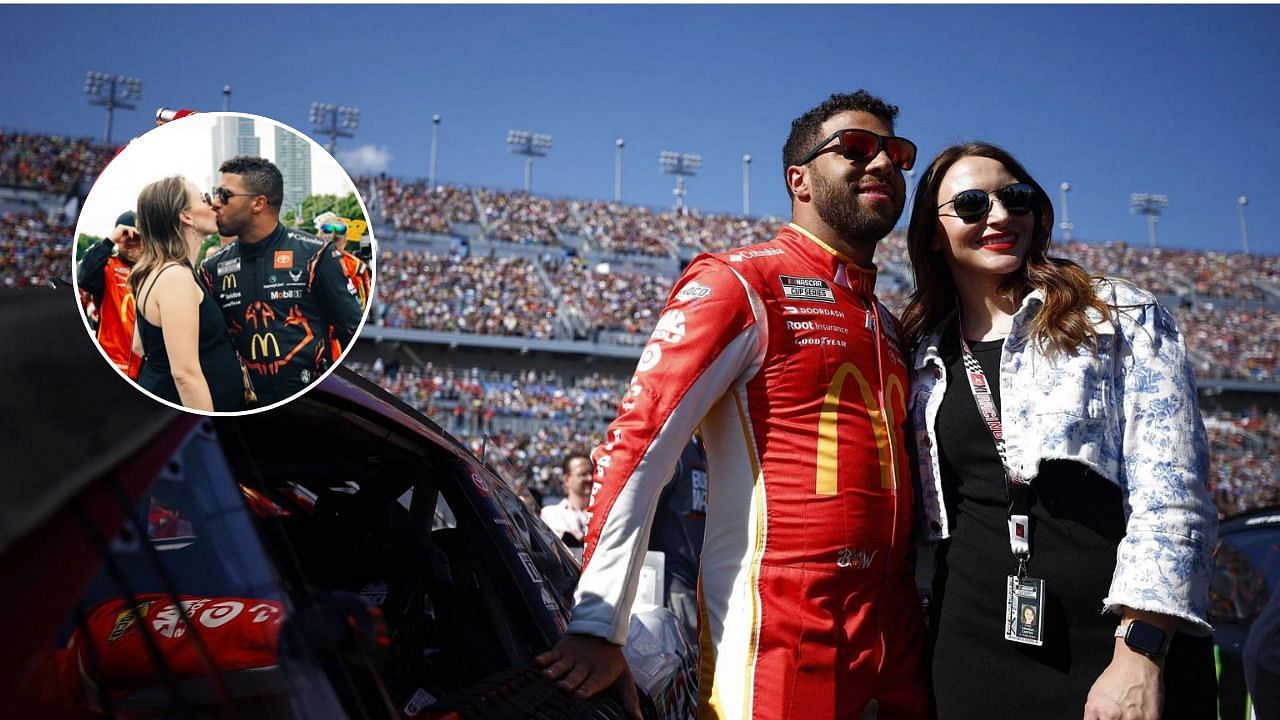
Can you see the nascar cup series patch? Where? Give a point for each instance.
(806, 289)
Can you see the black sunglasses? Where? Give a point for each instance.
(863, 145)
(969, 205)
(224, 195)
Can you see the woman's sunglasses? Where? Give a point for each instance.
(333, 228)
(863, 145)
(969, 205)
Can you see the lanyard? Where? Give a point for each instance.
(1018, 490)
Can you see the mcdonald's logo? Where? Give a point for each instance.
(228, 282)
(128, 306)
(263, 341)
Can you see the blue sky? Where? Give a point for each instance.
(1115, 100)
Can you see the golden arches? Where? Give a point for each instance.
(128, 306)
(883, 420)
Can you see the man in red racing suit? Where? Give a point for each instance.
(793, 370)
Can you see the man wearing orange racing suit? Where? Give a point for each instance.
(103, 274)
(792, 368)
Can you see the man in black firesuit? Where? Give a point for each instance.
(280, 289)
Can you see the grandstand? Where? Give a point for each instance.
(515, 320)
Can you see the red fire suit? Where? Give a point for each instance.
(105, 277)
(793, 369)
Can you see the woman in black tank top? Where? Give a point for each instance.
(188, 358)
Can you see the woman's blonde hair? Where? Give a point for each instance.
(160, 207)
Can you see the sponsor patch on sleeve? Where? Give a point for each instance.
(806, 289)
(693, 291)
(670, 327)
(283, 259)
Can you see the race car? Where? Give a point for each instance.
(341, 556)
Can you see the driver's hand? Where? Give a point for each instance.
(585, 665)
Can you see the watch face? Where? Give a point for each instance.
(1145, 637)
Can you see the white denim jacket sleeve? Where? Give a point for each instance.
(1165, 559)
(1130, 413)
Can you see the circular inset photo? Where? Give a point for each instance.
(224, 262)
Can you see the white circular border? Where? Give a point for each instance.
(373, 269)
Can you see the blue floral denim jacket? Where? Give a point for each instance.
(1129, 412)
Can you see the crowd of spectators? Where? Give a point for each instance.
(1190, 274)
(630, 229)
(522, 421)
(609, 227)
(620, 229)
(34, 250)
(615, 301)
(532, 459)
(1243, 451)
(49, 162)
(413, 206)
(452, 394)
(510, 296)
(447, 293)
(1237, 343)
(721, 232)
(526, 219)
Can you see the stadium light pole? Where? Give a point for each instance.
(1244, 231)
(617, 169)
(911, 182)
(226, 98)
(111, 92)
(435, 139)
(530, 145)
(335, 121)
(1151, 206)
(1066, 225)
(746, 185)
(682, 165)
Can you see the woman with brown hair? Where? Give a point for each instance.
(1063, 465)
(188, 358)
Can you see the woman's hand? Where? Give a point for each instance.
(1130, 688)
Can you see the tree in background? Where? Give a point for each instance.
(209, 242)
(83, 242)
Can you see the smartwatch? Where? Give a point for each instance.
(1145, 638)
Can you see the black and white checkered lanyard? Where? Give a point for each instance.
(1017, 488)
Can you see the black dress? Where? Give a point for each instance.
(1077, 522)
(218, 360)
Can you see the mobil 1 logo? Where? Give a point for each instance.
(806, 289)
